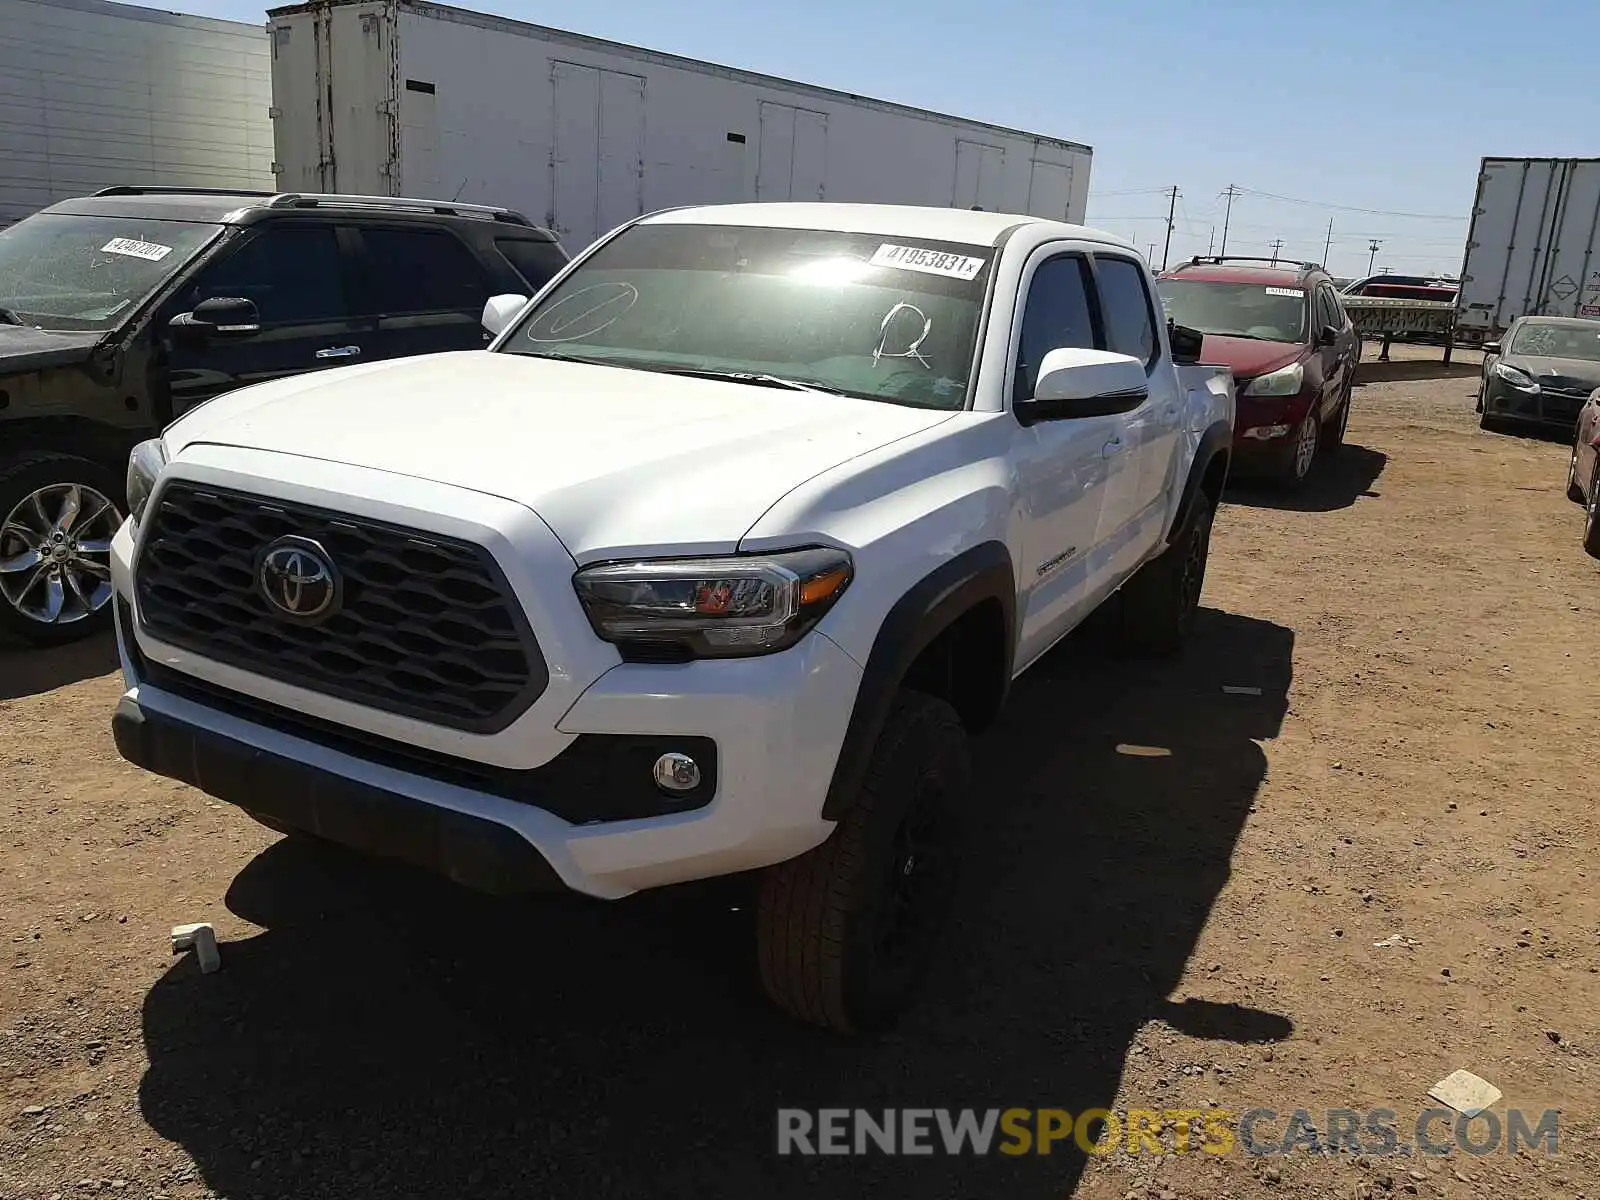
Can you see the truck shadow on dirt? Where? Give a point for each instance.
(1411, 370)
(1337, 481)
(25, 671)
(389, 1035)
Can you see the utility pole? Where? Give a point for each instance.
(1230, 192)
(1211, 244)
(1276, 246)
(1373, 257)
(1327, 247)
(1172, 207)
(1151, 257)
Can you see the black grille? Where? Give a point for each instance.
(426, 628)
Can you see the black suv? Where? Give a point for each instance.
(120, 311)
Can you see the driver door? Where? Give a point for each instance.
(295, 273)
(1062, 467)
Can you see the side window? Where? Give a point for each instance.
(1125, 301)
(421, 270)
(293, 273)
(1056, 314)
(537, 262)
(1332, 313)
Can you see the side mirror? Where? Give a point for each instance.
(1186, 343)
(500, 311)
(220, 316)
(1084, 383)
(1328, 337)
(1491, 347)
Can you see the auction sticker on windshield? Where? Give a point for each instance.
(1277, 291)
(929, 262)
(134, 248)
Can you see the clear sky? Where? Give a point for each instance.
(1339, 107)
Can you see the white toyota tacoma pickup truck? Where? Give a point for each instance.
(711, 563)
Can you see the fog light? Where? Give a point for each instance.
(677, 772)
(1266, 432)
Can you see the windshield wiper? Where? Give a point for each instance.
(10, 318)
(757, 379)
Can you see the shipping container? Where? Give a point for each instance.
(95, 94)
(1533, 246)
(398, 97)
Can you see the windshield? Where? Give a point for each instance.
(880, 318)
(1247, 310)
(74, 272)
(1558, 341)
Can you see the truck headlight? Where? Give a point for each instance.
(1286, 381)
(144, 464)
(1518, 379)
(677, 609)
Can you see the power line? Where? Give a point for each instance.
(1375, 212)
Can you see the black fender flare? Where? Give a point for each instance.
(1217, 439)
(927, 609)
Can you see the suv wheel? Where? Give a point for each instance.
(1302, 451)
(1333, 431)
(1574, 488)
(1160, 603)
(845, 931)
(58, 514)
(1591, 516)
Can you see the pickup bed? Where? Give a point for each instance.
(711, 563)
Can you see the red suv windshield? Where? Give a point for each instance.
(1265, 312)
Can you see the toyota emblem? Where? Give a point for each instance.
(298, 579)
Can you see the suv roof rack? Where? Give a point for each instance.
(445, 208)
(135, 189)
(1218, 260)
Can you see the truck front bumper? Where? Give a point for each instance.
(570, 801)
(473, 851)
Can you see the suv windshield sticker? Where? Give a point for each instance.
(1278, 291)
(134, 248)
(929, 262)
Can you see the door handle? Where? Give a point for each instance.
(1114, 446)
(340, 352)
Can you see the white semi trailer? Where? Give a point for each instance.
(95, 94)
(1533, 247)
(402, 97)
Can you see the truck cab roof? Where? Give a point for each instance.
(974, 227)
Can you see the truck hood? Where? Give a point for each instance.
(615, 461)
(1249, 357)
(24, 349)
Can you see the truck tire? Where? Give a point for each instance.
(55, 572)
(1159, 604)
(845, 932)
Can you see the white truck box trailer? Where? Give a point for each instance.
(401, 97)
(95, 94)
(1533, 245)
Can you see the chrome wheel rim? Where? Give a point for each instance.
(1305, 446)
(55, 553)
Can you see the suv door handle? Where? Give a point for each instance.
(340, 352)
(1112, 447)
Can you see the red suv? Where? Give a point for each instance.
(1279, 327)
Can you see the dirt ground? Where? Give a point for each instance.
(1163, 931)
